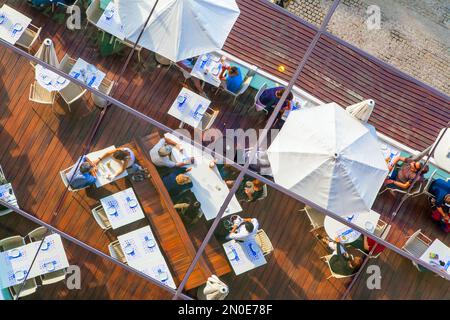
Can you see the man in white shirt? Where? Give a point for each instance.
(162, 151)
(243, 228)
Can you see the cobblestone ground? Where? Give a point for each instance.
(414, 35)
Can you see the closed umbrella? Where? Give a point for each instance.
(47, 53)
(214, 289)
(325, 155)
(362, 110)
(179, 29)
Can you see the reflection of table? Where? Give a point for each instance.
(49, 80)
(7, 195)
(87, 73)
(208, 68)
(366, 220)
(15, 263)
(122, 208)
(142, 253)
(106, 167)
(208, 186)
(110, 21)
(11, 19)
(244, 256)
(443, 252)
(442, 152)
(191, 111)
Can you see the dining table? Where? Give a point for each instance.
(244, 256)
(189, 107)
(438, 255)
(122, 208)
(88, 73)
(12, 24)
(110, 21)
(208, 68)
(16, 264)
(106, 168)
(50, 80)
(7, 194)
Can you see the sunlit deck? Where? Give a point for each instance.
(36, 144)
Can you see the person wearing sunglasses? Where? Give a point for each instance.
(403, 175)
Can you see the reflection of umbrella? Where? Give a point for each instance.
(47, 53)
(361, 110)
(213, 290)
(179, 29)
(329, 158)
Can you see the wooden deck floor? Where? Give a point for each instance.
(36, 144)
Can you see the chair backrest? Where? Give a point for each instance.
(37, 234)
(105, 87)
(11, 243)
(208, 119)
(263, 242)
(53, 277)
(72, 92)
(333, 274)
(245, 85)
(64, 179)
(260, 91)
(428, 184)
(26, 289)
(100, 217)
(316, 218)
(40, 95)
(414, 245)
(115, 250)
(94, 12)
(66, 64)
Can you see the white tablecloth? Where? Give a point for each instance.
(367, 221)
(123, 213)
(443, 252)
(244, 256)
(50, 80)
(93, 77)
(208, 68)
(110, 21)
(442, 151)
(208, 186)
(12, 18)
(142, 253)
(106, 167)
(191, 111)
(7, 194)
(51, 257)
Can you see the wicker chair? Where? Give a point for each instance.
(263, 242)
(115, 250)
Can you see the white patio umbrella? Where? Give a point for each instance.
(179, 29)
(325, 155)
(362, 110)
(47, 53)
(214, 289)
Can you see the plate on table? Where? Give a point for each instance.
(129, 249)
(14, 253)
(50, 266)
(215, 58)
(231, 254)
(204, 58)
(112, 211)
(150, 243)
(369, 226)
(162, 275)
(2, 18)
(61, 80)
(109, 13)
(181, 99)
(45, 246)
(18, 27)
(20, 275)
(132, 203)
(47, 80)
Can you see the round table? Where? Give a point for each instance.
(49, 80)
(335, 229)
(442, 151)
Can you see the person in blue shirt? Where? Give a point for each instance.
(83, 177)
(439, 188)
(177, 182)
(440, 204)
(270, 98)
(233, 79)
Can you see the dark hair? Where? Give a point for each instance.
(425, 169)
(249, 226)
(289, 97)
(233, 69)
(85, 167)
(120, 155)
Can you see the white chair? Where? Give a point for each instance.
(106, 88)
(208, 118)
(93, 13)
(130, 44)
(263, 242)
(326, 259)
(71, 93)
(29, 37)
(37, 234)
(243, 88)
(11, 243)
(100, 217)
(381, 225)
(383, 237)
(39, 94)
(66, 64)
(426, 189)
(416, 245)
(258, 105)
(53, 277)
(28, 288)
(115, 250)
(316, 218)
(65, 180)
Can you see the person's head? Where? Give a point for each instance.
(165, 150)
(415, 166)
(85, 167)
(196, 205)
(280, 93)
(233, 71)
(447, 200)
(120, 155)
(249, 226)
(425, 170)
(257, 185)
(356, 262)
(182, 179)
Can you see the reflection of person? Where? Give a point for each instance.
(270, 98)
(188, 208)
(83, 177)
(123, 156)
(441, 213)
(233, 79)
(177, 181)
(341, 262)
(402, 177)
(250, 190)
(161, 154)
(243, 228)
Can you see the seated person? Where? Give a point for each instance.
(177, 182)
(441, 212)
(228, 173)
(161, 154)
(402, 177)
(250, 190)
(123, 156)
(365, 244)
(341, 262)
(83, 177)
(243, 228)
(233, 79)
(189, 208)
(270, 98)
(440, 188)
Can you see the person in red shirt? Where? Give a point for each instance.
(366, 245)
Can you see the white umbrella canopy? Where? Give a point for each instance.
(179, 29)
(47, 53)
(362, 110)
(325, 155)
